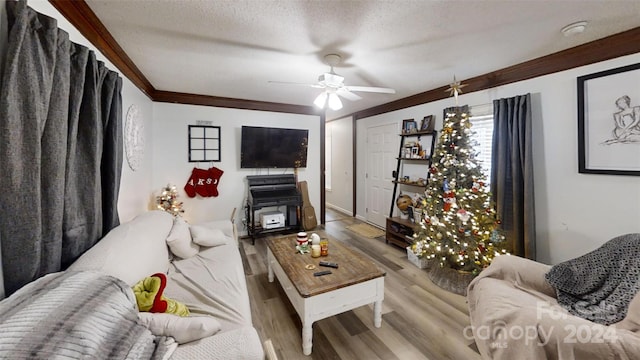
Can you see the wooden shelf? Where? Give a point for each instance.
(419, 133)
(409, 183)
(415, 159)
(399, 231)
(257, 230)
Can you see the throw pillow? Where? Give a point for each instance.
(206, 236)
(179, 240)
(149, 296)
(182, 329)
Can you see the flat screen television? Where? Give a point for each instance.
(266, 147)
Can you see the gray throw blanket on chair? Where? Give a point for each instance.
(599, 286)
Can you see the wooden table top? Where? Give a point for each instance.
(353, 267)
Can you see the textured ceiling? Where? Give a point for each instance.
(234, 48)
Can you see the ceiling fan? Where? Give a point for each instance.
(334, 87)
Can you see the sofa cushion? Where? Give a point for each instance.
(238, 344)
(226, 226)
(179, 240)
(213, 283)
(182, 329)
(206, 236)
(132, 250)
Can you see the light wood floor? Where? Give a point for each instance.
(419, 319)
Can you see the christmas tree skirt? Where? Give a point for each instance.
(450, 279)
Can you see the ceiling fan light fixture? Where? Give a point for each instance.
(321, 100)
(334, 102)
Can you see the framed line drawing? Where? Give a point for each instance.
(609, 122)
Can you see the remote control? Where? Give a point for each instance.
(320, 273)
(329, 264)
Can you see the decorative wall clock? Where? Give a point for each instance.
(134, 137)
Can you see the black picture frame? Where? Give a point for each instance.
(204, 143)
(409, 126)
(427, 123)
(609, 122)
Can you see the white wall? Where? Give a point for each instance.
(340, 197)
(171, 164)
(135, 187)
(575, 213)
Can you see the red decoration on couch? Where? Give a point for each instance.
(159, 304)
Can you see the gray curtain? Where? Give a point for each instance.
(59, 115)
(512, 173)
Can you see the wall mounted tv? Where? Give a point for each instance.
(265, 147)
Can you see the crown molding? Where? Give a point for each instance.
(206, 100)
(80, 15)
(617, 45)
(84, 19)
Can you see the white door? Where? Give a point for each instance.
(382, 150)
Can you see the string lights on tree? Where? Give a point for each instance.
(459, 228)
(168, 200)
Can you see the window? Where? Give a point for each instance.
(482, 125)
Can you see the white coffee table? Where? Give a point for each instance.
(356, 282)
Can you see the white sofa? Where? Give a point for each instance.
(515, 314)
(211, 282)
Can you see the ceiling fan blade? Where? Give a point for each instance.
(371, 89)
(318, 86)
(348, 94)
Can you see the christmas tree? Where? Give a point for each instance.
(168, 200)
(459, 227)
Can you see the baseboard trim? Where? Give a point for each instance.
(339, 209)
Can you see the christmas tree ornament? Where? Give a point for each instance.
(475, 187)
(455, 88)
(496, 237)
(449, 198)
(463, 215)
